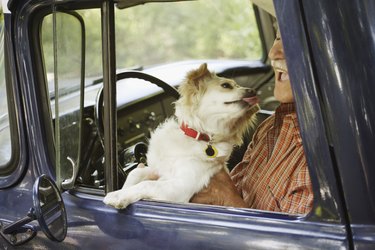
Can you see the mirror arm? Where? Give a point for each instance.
(48, 209)
(17, 224)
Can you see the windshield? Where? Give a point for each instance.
(152, 34)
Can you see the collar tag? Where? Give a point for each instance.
(210, 151)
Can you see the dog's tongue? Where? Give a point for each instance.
(251, 100)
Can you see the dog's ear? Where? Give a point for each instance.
(190, 88)
(197, 75)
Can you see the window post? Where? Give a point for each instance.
(109, 95)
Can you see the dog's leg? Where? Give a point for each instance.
(134, 178)
(140, 174)
(168, 190)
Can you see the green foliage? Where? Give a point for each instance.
(210, 29)
(158, 33)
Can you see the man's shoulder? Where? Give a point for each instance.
(265, 125)
(268, 122)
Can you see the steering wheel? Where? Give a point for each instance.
(168, 89)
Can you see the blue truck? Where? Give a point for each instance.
(84, 82)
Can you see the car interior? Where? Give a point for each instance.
(148, 72)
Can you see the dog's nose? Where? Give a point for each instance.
(250, 92)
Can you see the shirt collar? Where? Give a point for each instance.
(283, 110)
(286, 108)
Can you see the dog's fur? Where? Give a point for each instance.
(178, 165)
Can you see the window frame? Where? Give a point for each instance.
(16, 166)
(98, 193)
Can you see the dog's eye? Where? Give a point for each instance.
(227, 85)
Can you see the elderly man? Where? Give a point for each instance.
(273, 174)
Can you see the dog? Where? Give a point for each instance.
(185, 151)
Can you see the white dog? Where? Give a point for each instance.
(185, 152)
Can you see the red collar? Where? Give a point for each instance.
(193, 133)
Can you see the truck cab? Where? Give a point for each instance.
(83, 83)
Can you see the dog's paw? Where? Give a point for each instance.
(116, 200)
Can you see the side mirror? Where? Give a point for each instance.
(48, 208)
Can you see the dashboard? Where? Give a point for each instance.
(136, 122)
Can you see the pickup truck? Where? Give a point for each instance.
(83, 82)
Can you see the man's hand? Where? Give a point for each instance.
(220, 191)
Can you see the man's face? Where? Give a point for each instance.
(283, 90)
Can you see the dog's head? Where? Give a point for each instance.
(215, 105)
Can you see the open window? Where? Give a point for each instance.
(72, 46)
(100, 139)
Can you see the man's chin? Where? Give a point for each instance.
(283, 95)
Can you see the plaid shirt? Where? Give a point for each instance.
(273, 174)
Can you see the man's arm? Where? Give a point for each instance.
(220, 191)
(300, 196)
